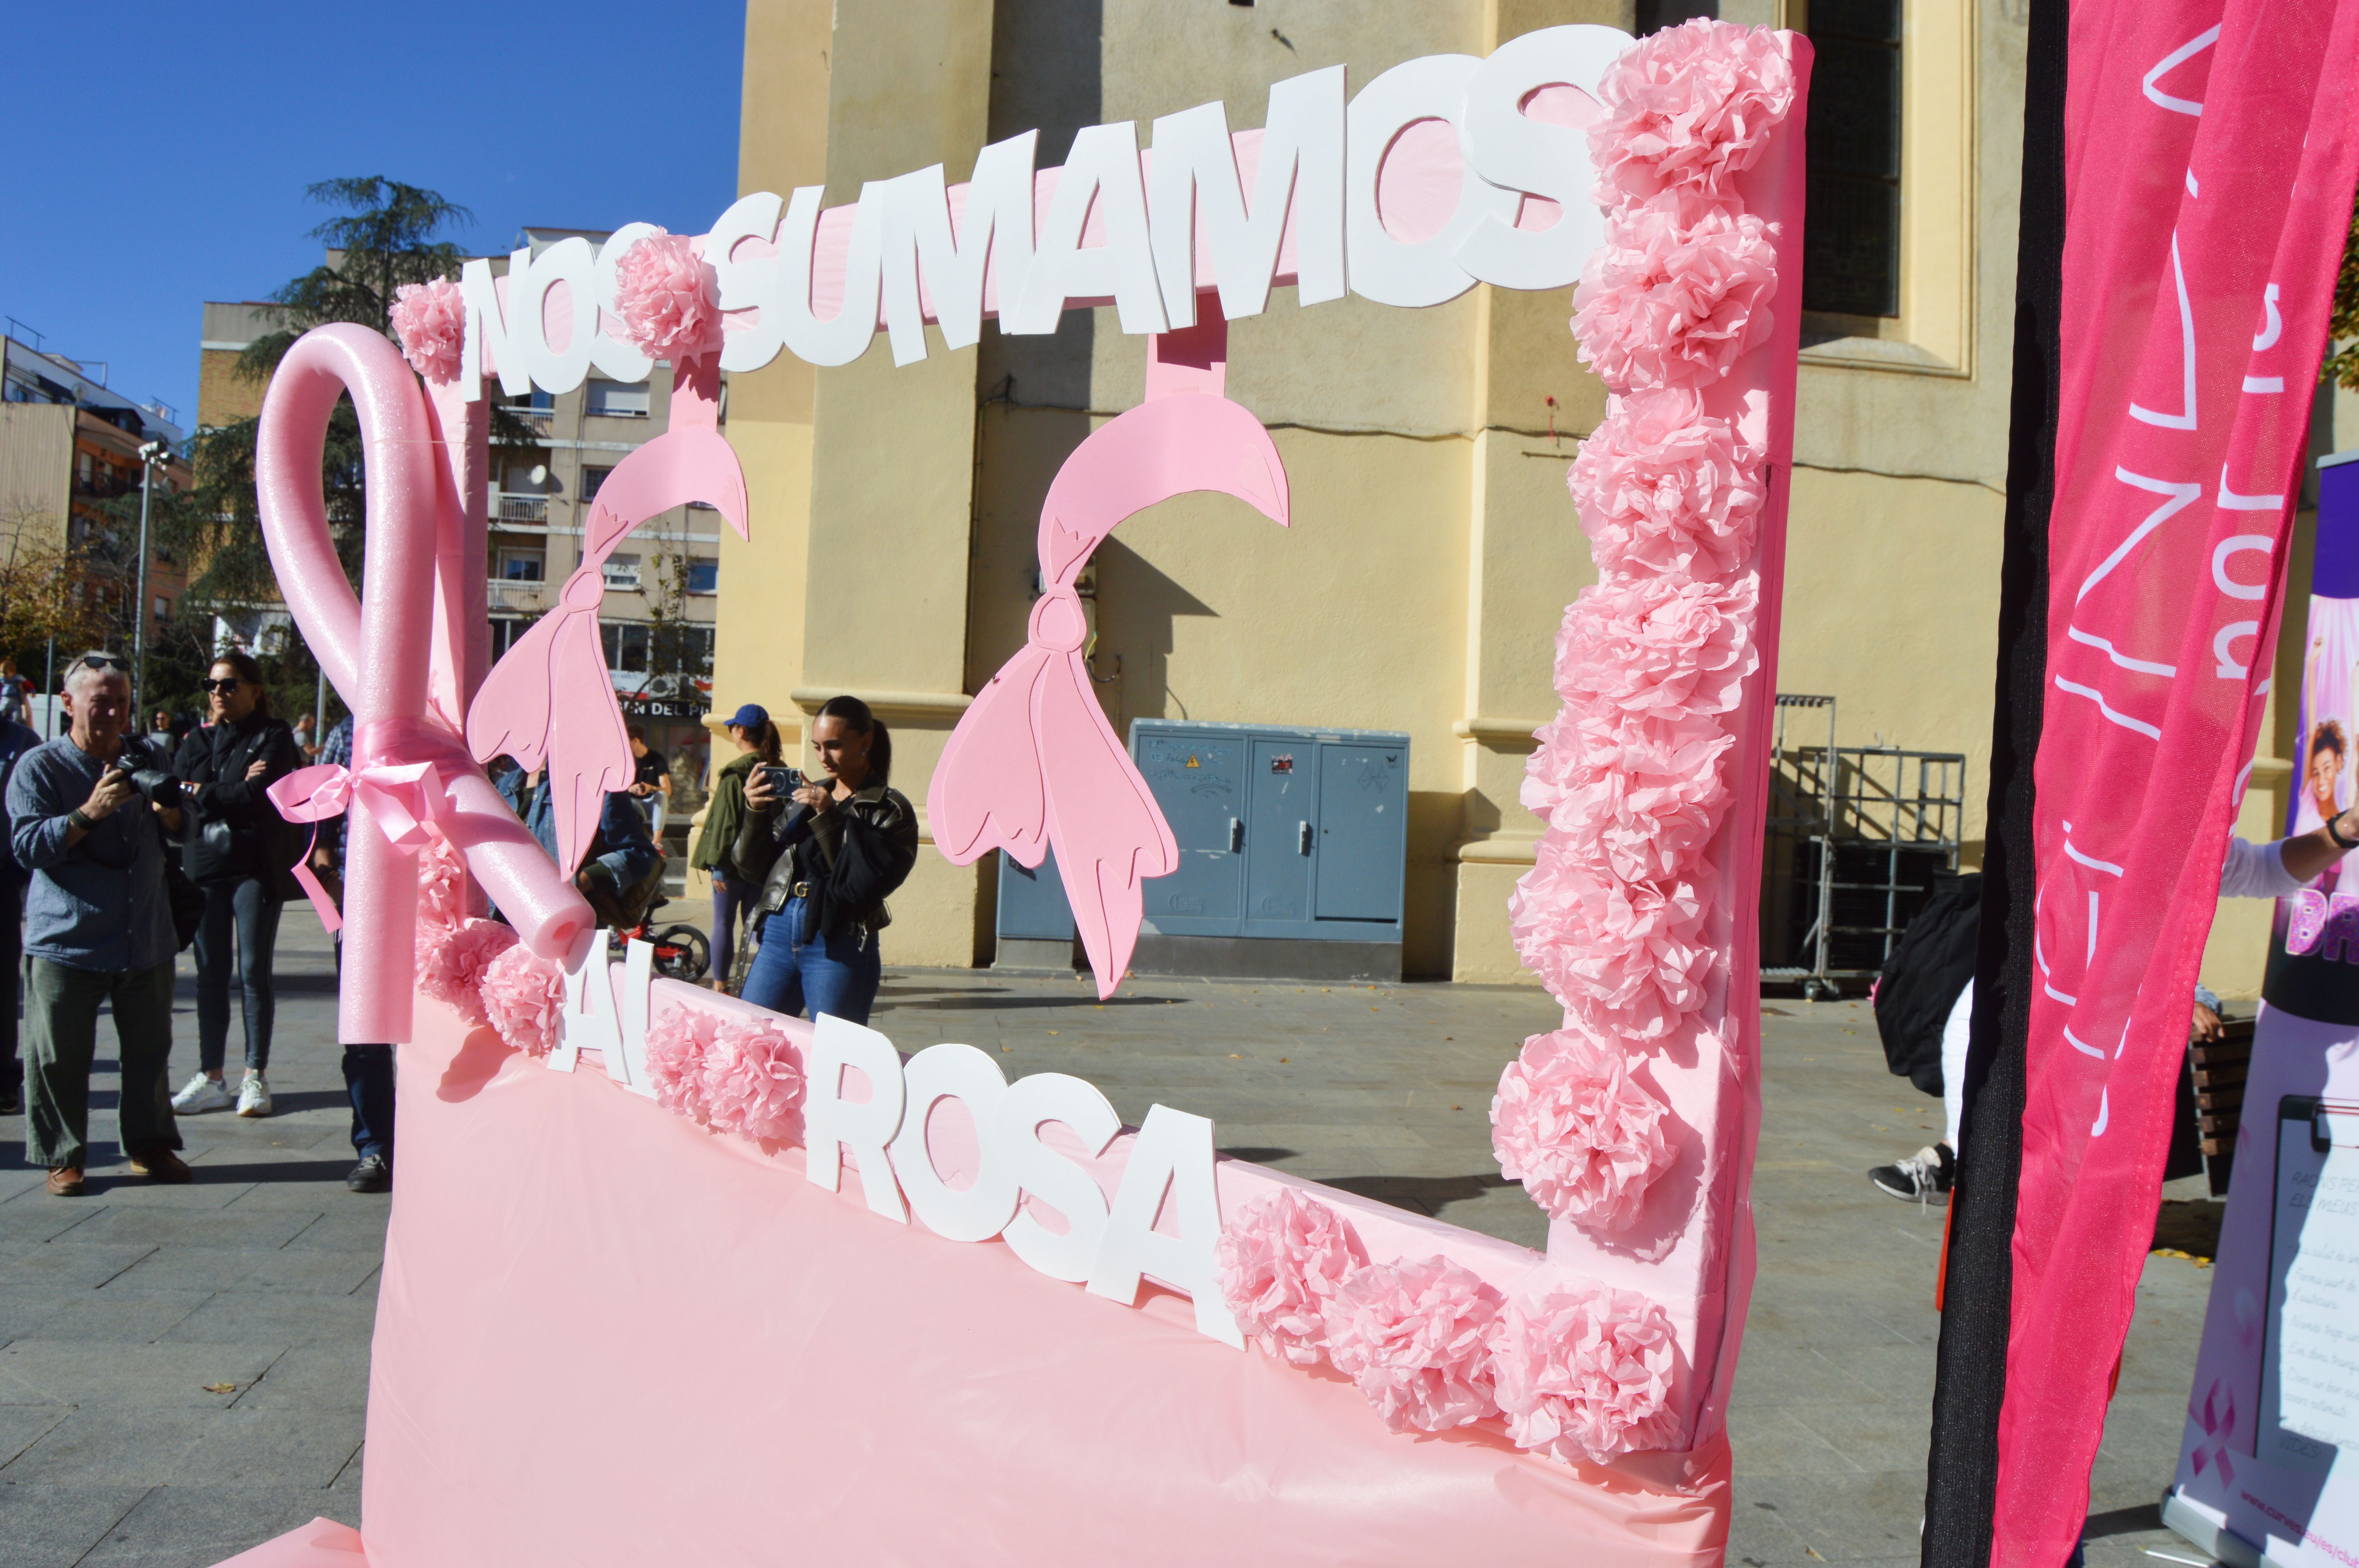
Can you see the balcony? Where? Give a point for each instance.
(508, 507)
(509, 594)
(536, 420)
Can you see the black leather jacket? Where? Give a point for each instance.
(846, 860)
(234, 831)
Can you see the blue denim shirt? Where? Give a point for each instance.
(624, 845)
(100, 905)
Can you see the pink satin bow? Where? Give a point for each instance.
(550, 698)
(1034, 761)
(401, 769)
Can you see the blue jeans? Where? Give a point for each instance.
(246, 908)
(732, 902)
(368, 1085)
(837, 975)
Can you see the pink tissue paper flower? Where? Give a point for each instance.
(1675, 296)
(667, 298)
(1625, 958)
(678, 1040)
(1689, 109)
(430, 320)
(1658, 647)
(441, 888)
(523, 994)
(451, 965)
(1282, 1259)
(753, 1082)
(1415, 1337)
(1582, 1135)
(1663, 487)
(1584, 1372)
(1633, 798)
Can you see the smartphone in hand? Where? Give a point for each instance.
(783, 780)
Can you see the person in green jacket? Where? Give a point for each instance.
(733, 892)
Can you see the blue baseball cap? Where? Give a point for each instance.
(753, 716)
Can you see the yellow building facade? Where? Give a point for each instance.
(1433, 545)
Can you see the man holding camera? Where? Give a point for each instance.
(85, 812)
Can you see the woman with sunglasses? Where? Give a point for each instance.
(236, 850)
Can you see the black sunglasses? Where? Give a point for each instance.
(225, 685)
(104, 662)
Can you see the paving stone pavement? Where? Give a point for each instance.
(183, 1372)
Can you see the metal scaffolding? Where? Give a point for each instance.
(1855, 837)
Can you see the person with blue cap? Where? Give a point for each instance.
(733, 889)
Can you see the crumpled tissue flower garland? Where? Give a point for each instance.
(1630, 778)
(522, 994)
(430, 320)
(1416, 1337)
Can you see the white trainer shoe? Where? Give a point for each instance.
(253, 1099)
(202, 1094)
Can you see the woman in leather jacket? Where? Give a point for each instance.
(231, 852)
(827, 864)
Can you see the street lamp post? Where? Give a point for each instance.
(150, 455)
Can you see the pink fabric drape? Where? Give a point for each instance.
(2209, 158)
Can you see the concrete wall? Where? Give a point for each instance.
(37, 445)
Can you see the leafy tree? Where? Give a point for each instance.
(385, 233)
(2342, 327)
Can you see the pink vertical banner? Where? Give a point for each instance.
(2210, 156)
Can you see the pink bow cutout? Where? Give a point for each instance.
(1034, 761)
(2217, 1416)
(394, 658)
(550, 698)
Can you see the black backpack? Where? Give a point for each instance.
(1921, 982)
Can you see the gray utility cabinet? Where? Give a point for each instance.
(1293, 847)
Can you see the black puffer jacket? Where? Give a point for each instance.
(851, 858)
(233, 831)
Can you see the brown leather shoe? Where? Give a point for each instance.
(65, 1181)
(161, 1165)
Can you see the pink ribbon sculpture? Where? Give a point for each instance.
(1033, 762)
(551, 699)
(399, 661)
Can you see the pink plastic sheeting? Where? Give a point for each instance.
(663, 1346)
(2209, 155)
(322, 1543)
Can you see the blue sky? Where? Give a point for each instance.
(156, 154)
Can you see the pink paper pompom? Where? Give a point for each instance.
(441, 887)
(753, 1082)
(667, 298)
(430, 320)
(1282, 1259)
(1626, 958)
(1663, 487)
(1633, 798)
(1658, 647)
(452, 964)
(677, 1041)
(1415, 1337)
(1675, 296)
(523, 994)
(1583, 1136)
(1689, 109)
(1584, 1372)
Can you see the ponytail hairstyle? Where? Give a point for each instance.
(766, 742)
(249, 671)
(856, 718)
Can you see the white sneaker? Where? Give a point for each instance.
(202, 1094)
(253, 1099)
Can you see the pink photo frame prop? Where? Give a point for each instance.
(668, 1342)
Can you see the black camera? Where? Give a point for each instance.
(151, 776)
(783, 780)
